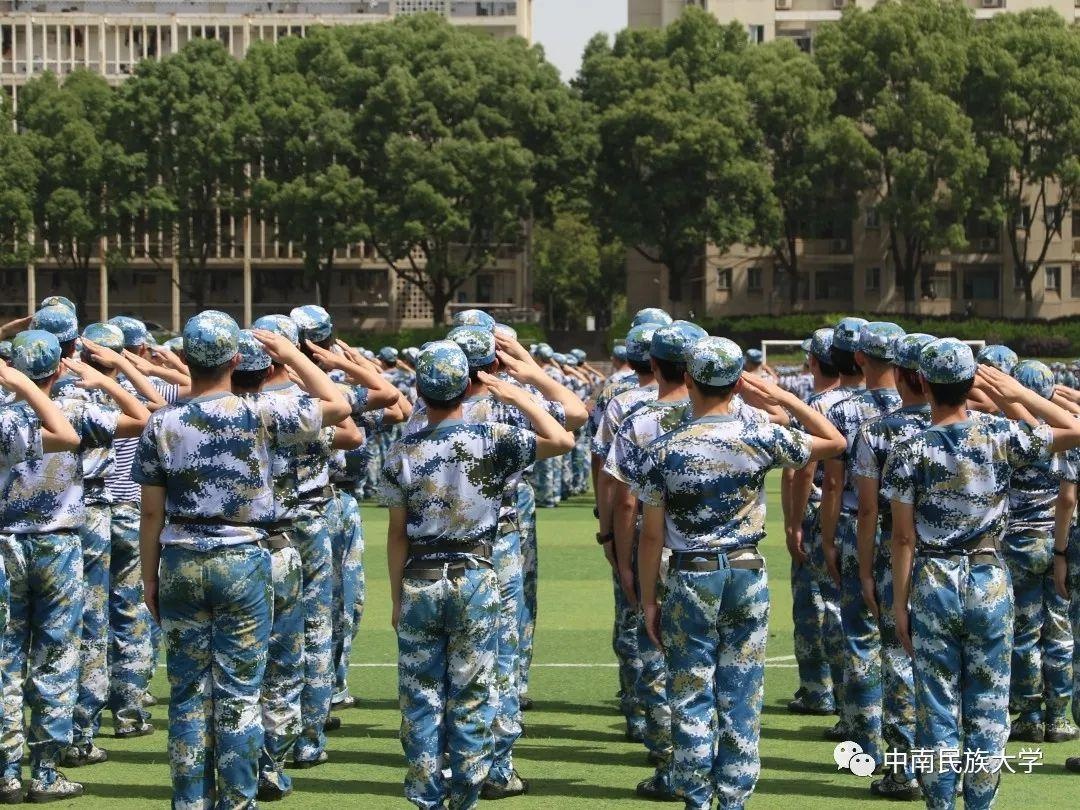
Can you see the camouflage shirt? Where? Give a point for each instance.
(709, 476)
(618, 408)
(452, 479)
(45, 494)
(957, 476)
(648, 423)
(847, 416)
(214, 455)
(873, 443)
(616, 384)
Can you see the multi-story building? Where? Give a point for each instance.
(254, 271)
(848, 268)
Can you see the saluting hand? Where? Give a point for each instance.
(89, 377)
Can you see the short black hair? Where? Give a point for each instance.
(249, 380)
(88, 358)
(715, 391)
(671, 371)
(844, 362)
(827, 369)
(67, 348)
(443, 405)
(328, 343)
(951, 394)
(474, 373)
(640, 366)
(912, 379)
(208, 373)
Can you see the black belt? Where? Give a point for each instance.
(976, 552)
(93, 483)
(277, 541)
(347, 483)
(447, 570)
(184, 520)
(744, 557)
(427, 550)
(318, 496)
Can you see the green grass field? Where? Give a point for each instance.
(574, 754)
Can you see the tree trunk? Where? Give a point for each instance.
(1029, 298)
(439, 298)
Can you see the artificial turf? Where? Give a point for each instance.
(573, 754)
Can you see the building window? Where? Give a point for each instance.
(833, 285)
(756, 34)
(980, 284)
(873, 279)
(1052, 217)
(485, 288)
(754, 282)
(1075, 281)
(873, 218)
(723, 278)
(1053, 279)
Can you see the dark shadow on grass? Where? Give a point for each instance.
(387, 759)
(539, 788)
(348, 787)
(369, 704)
(792, 765)
(125, 790)
(140, 757)
(804, 734)
(631, 758)
(542, 706)
(356, 731)
(804, 788)
(541, 731)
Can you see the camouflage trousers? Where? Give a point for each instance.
(447, 645)
(624, 642)
(372, 467)
(579, 462)
(1074, 616)
(897, 674)
(1042, 651)
(40, 660)
(96, 537)
(506, 726)
(130, 649)
(714, 626)
(862, 696)
(349, 586)
(526, 509)
(284, 678)
(652, 685)
(962, 630)
(815, 612)
(312, 537)
(547, 481)
(215, 614)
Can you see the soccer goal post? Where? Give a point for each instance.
(976, 346)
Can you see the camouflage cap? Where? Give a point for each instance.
(755, 356)
(313, 322)
(579, 355)
(253, 357)
(473, 317)
(36, 353)
(442, 371)
(409, 355)
(846, 334)
(57, 319)
(559, 358)
(544, 351)
(907, 349)
(175, 344)
(876, 339)
(108, 335)
(619, 352)
(639, 341)
(58, 301)
(211, 339)
(477, 342)
(388, 354)
(504, 331)
(715, 361)
(671, 342)
(135, 331)
(821, 343)
(280, 325)
(370, 355)
(571, 360)
(947, 360)
(651, 315)
(806, 344)
(1000, 357)
(5, 350)
(1035, 376)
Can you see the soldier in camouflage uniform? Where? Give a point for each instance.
(875, 439)
(702, 486)
(861, 696)
(443, 525)
(815, 599)
(1067, 572)
(670, 410)
(43, 515)
(1042, 642)
(949, 488)
(31, 425)
(207, 473)
(548, 473)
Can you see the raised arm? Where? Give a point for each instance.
(57, 434)
(520, 365)
(551, 438)
(334, 406)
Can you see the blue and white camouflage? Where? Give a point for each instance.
(1000, 357)
(651, 315)
(105, 334)
(313, 322)
(57, 319)
(211, 339)
(134, 330)
(36, 353)
(474, 317)
(280, 325)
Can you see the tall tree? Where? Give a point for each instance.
(1023, 95)
(190, 114)
(680, 165)
(18, 186)
(819, 162)
(83, 182)
(897, 71)
(576, 273)
(462, 138)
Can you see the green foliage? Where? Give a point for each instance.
(18, 186)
